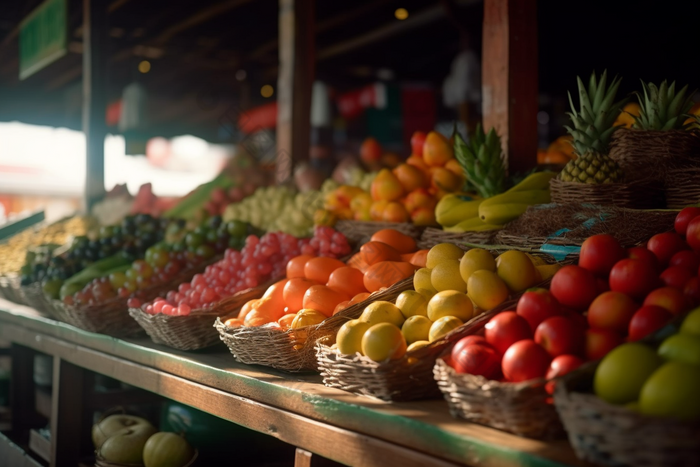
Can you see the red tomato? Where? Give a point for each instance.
(558, 336)
(670, 298)
(633, 277)
(478, 360)
(676, 276)
(469, 340)
(641, 253)
(574, 287)
(692, 234)
(506, 328)
(599, 254)
(612, 310)
(417, 142)
(692, 290)
(601, 341)
(683, 219)
(525, 360)
(646, 320)
(537, 305)
(665, 245)
(560, 366)
(686, 259)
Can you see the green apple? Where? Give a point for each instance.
(691, 323)
(622, 373)
(126, 446)
(672, 391)
(681, 348)
(112, 424)
(167, 450)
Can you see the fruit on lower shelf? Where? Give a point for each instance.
(126, 446)
(167, 450)
(113, 424)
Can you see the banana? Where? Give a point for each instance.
(536, 181)
(453, 209)
(501, 213)
(472, 225)
(519, 197)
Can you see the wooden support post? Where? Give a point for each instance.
(304, 458)
(95, 30)
(296, 74)
(509, 78)
(67, 417)
(22, 388)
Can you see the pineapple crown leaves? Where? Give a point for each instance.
(662, 108)
(482, 161)
(594, 119)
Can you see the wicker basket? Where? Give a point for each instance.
(356, 231)
(683, 187)
(100, 462)
(641, 194)
(294, 349)
(432, 236)
(193, 331)
(612, 435)
(33, 296)
(10, 289)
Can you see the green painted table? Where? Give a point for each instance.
(297, 409)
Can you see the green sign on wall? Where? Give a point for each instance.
(42, 37)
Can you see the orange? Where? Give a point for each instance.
(437, 150)
(234, 322)
(341, 306)
(419, 259)
(256, 318)
(371, 150)
(294, 291)
(395, 212)
(275, 292)
(418, 162)
(270, 307)
(400, 242)
(295, 266)
(453, 166)
(386, 274)
(390, 159)
(346, 193)
(285, 321)
(360, 297)
(423, 217)
(376, 211)
(362, 215)
(247, 308)
(320, 269)
(357, 262)
(361, 202)
(386, 187)
(374, 252)
(420, 198)
(323, 299)
(445, 180)
(347, 280)
(410, 177)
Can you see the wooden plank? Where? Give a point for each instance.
(509, 78)
(66, 413)
(304, 458)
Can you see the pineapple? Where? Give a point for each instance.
(593, 127)
(662, 108)
(482, 161)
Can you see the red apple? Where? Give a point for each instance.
(574, 287)
(646, 320)
(560, 366)
(478, 360)
(599, 254)
(692, 234)
(683, 219)
(417, 142)
(537, 305)
(692, 291)
(576, 317)
(665, 245)
(670, 298)
(612, 310)
(676, 276)
(559, 336)
(525, 360)
(469, 340)
(633, 277)
(640, 252)
(601, 341)
(506, 328)
(686, 259)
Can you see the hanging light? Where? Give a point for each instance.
(401, 14)
(145, 66)
(267, 91)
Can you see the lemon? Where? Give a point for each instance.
(349, 338)
(443, 252)
(443, 326)
(421, 280)
(383, 341)
(516, 270)
(416, 328)
(412, 303)
(307, 317)
(427, 293)
(382, 312)
(417, 345)
(486, 289)
(475, 260)
(547, 271)
(536, 260)
(450, 303)
(445, 276)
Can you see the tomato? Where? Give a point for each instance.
(560, 366)
(686, 259)
(559, 335)
(647, 320)
(633, 277)
(612, 310)
(670, 298)
(525, 360)
(574, 287)
(506, 328)
(478, 360)
(536, 306)
(601, 341)
(466, 341)
(676, 276)
(683, 219)
(417, 142)
(641, 253)
(692, 234)
(599, 254)
(692, 291)
(665, 245)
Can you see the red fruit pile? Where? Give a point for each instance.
(260, 260)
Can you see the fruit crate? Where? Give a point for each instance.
(294, 349)
(358, 231)
(637, 194)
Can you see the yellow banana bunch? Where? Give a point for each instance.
(454, 208)
(475, 224)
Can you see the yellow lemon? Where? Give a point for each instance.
(307, 317)
(536, 260)
(445, 276)
(416, 328)
(421, 280)
(516, 270)
(443, 326)
(475, 260)
(417, 345)
(412, 303)
(450, 303)
(383, 341)
(486, 289)
(547, 271)
(382, 312)
(349, 338)
(428, 294)
(442, 252)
